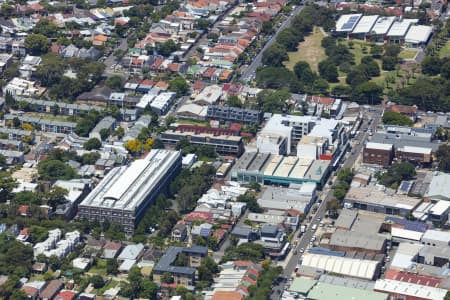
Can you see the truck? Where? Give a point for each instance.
(303, 228)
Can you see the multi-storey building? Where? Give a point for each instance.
(125, 193)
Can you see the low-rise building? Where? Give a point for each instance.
(416, 155)
(234, 114)
(184, 275)
(344, 240)
(408, 291)
(107, 123)
(376, 200)
(436, 238)
(379, 154)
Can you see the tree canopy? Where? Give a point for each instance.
(395, 118)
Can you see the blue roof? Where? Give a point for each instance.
(407, 224)
(325, 251)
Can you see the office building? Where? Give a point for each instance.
(125, 193)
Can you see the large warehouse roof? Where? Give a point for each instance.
(346, 266)
(409, 289)
(125, 187)
(418, 34)
(382, 25)
(399, 28)
(365, 24)
(347, 23)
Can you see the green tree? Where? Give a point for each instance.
(275, 78)
(207, 269)
(54, 169)
(367, 93)
(394, 118)
(111, 266)
(115, 82)
(97, 281)
(431, 65)
(328, 70)
(149, 290)
(304, 73)
(37, 44)
(445, 70)
(234, 101)
(289, 39)
(56, 196)
(272, 101)
(92, 143)
(396, 173)
(376, 51)
(179, 85)
(388, 63)
(443, 158)
(275, 55)
(320, 86)
(167, 48)
(392, 50)
(167, 278)
(46, 28)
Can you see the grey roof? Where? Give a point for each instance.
(347, 238)
(131, 252)
(269, 230)
(346, 219)
(402, 140)
(241, 231)
(105, 123)
(165, 263)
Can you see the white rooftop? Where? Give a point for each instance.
(399, 28)
(412, 149)
(418, 34)
(438, 188)
(127, 187)
(365, 24)
(347, 23)
(379, 146)
(440, 207)
(409, 289)
(382, 25)
(437, 235)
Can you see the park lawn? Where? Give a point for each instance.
(310, 50)
(445, 51)
(192, 122)
(407, 54)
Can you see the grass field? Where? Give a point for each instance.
(445, 51)
(407, 54)
(309, 50)
(100, 268)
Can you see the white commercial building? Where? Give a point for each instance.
(436, 238)
(124, 194)
(406, 290)
(364, 27)
(399, 29)
(358, 268)
(438, 188)
(347, 23)
(381, 28)
(162, 102)
(418, 35)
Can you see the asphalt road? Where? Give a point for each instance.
(249, 73)
(327, 195)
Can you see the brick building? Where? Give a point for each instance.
(378, 154)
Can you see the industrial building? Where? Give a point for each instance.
(408, 291)
(416, 155)
(266, 168)
(373, 199)
(125, 193)
(357, 268)
(344, 240)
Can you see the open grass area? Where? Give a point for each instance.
(100, 268)
(310, 50)
(407, 54)
(445, 51)
(46, 116)
(110, 285)
(192, 122)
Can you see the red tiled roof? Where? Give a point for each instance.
(198, 215)
(226, 295)
(112, 246)
(402, 109)
(413, 278)
(65, 295)
(30, 291)
(243, 263)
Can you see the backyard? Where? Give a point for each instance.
(445, 51)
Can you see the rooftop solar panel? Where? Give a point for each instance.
(404, 186)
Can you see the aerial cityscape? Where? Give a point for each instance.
(224, 150)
